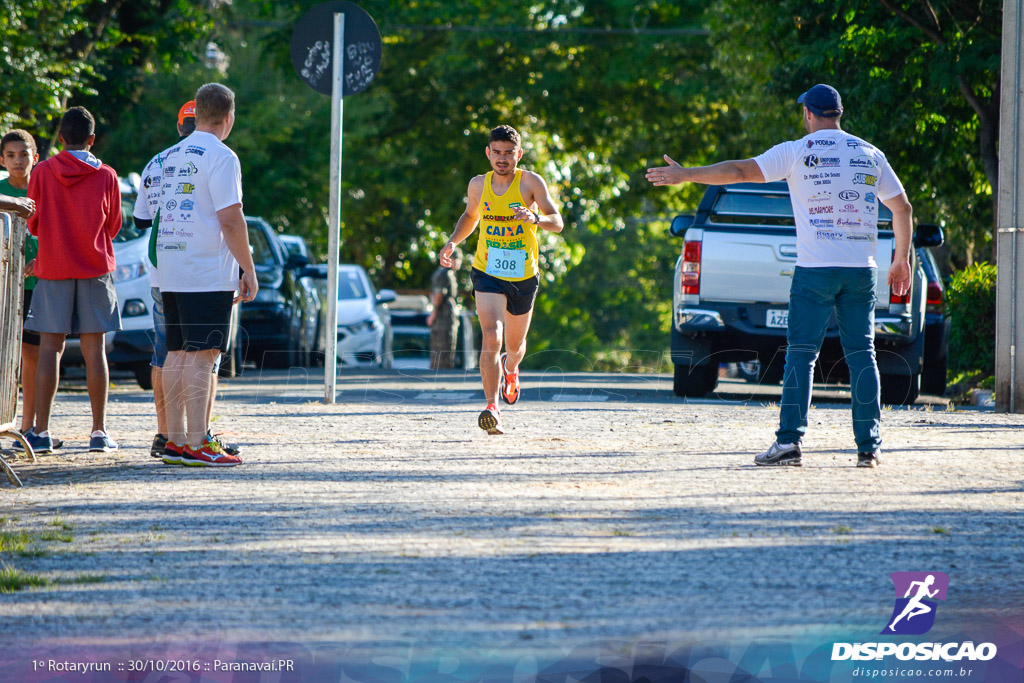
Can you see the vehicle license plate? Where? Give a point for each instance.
(778, 317)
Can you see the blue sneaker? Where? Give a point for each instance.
(17, 444)
(57, 443)
(100, 442)
(41, 443)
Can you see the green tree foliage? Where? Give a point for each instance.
(919, 78)
(96, 53)
(971, 302)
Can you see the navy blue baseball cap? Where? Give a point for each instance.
(823, 100)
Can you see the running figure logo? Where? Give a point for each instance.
(916, 592)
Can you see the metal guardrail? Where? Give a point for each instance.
(12, 291)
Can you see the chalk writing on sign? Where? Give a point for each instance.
(318, 61)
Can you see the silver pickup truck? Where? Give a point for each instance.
(731, 295)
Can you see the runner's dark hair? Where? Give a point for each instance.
(504, 133)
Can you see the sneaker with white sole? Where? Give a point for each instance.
(100, 442)
(871, 459)
(781, 454)
(490, 419)
(41, 444)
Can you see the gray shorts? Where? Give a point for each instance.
(74, 306)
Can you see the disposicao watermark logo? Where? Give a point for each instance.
(914, 614)
(916, 593)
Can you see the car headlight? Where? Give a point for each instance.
(129, 271)
(364, 326)
(134, 307)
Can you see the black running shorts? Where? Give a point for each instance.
(197, 321)
(520, 294)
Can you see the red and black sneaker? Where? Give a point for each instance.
(490, 419)
(509, 383)
(209, 454)
(173, 453)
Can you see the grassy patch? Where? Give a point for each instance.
(61, 523)
(13, 580)
(83, 579)
(63, 537)
(14, 541)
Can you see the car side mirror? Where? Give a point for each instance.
(386, 296)
(296, 261)
(311, 271)
(928, 235)
(680, 224)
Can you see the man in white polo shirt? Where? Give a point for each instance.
(835, 268)
(202, 241)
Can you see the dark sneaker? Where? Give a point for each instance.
(41, 443)
(869, 459)
(173, 453)
(209, 454)
(509, 383)
(100, 442)
(56, 443)
(228, 448)
(490, 420)
(781, 454)
(157, 449)
(17, 444)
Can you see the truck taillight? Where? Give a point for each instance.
(935, 303)
(689, 276)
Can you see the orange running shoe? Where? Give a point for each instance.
(509, 383)
(490, 420)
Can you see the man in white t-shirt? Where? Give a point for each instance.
(835, 182)
(202, 241)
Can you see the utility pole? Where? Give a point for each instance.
(1010, 217)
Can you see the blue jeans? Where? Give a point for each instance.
(814, 294)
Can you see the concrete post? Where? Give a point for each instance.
(1010, 218)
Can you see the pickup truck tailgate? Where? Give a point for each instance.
(747, 267)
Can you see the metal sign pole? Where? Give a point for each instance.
(334, 210)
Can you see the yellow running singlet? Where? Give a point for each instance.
(506, 248)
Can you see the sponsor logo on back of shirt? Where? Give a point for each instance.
(869, 197)
(169, 171)
(172, 205)
(192, 149)
(185, 188)
(188, 169)
(865, 179)
(188, 205)
(823, 196)
(822, 222)
(827, 143)
(819, 209)
(863, 161)
(849, 195)
(848, 223)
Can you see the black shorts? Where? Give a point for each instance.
(27, 336)
(520, 294)
(197, 321)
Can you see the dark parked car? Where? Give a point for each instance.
(936, 327)
(279, 325)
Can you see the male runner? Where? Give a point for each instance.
(512, 203)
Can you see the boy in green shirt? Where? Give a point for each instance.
(18, 155)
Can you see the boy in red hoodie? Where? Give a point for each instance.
(78, 213)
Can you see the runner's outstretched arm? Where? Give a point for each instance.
(723, 173)
(467, 221)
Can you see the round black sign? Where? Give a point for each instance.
(313, 47)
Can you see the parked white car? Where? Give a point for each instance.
(364, 322)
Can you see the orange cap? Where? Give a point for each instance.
(187, 111)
